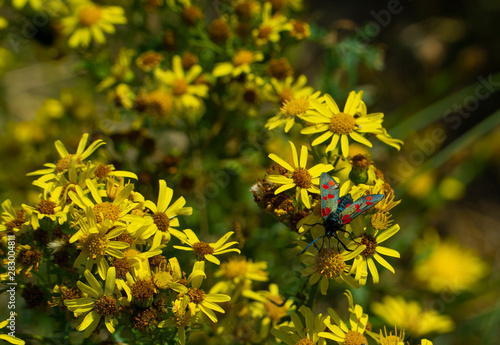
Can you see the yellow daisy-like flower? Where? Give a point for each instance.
(300, 30)
(12, 220)
(90, 21)
(410, 315)
(392, 339)
(344, 334)
(340, 126)
(186, 93)
(10, 338)
(290, 110)
(94, 239)
(98, 303)
(242, 61)
(181, 318)
(208, 250)
(121, 71)
(305, 180)
(27, 258)
(365, 261)
(239, 268)
(271, 306)
(271, 26)
(300, 333)
(280, 91)
(67, 159)
(447, 265)
(199, 300)
(328, 263)
(164, 218)
(49, 208)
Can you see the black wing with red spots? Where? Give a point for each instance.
(329, 194)
(359, 206)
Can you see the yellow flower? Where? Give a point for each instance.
(27, 258)
(186, 93)
(271, 306)
(392, 339)
(339, 126)
(447, 265)
(354, 333)
(299, 333)
(95, 240)
(279, 91)
(305, 180)
(35, 4)
(89, 21)
(208, 250)
(121, 71)
(242, 61)
(99, 303)
(68, 159)
(47, 208)
(164, 218)
(271, 26)
(12, 220)
(147, 61)
(239, 268)
(290, 110)
(411, 316)
(199, 300)
(300, 30)
(365, 261)
(10, 338)
(181, 318)
(328, 263)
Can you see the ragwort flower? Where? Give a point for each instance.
(298, 333)
(340, 126)
(305, 180)
(99, 303)
(89, 21)
(208, 250)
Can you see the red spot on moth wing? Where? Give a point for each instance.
(323, 212)
(369, 197)
(347, 205)
(331, 183)
(324, 198)
(325, 186)
(346, 219)
(356, 205)
(330, 196)
(369, 203)
(338, 201)
(327, 211)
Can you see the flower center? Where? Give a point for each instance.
(63, 163)
(189, 60)
(302, 178)
(196, 295)
(360, 162)
(94, 245)
(355, 338)
(149, 60)
(179, 87)
(234, 268)
(16, 223)
(342, 123)
(380, 221)
(46, 207)
(371, 244)
(265, 31)
(162, 279)
(243, 57)
(275, 310)
(191, 15)
(145, 319)
(279, 68)
(90, 15)
(201, 248)
(122, 267)
(295, 107)
(300, 29)
(29, 258)
(244, 9)
(142, 289)
(106, 305)
(329, 263)
(70, 293)
(108, 211)
(161, 220)
(305, 341)
(181, 318)
(102, 171)
(159, 103)
(219, 31)
(250, 96)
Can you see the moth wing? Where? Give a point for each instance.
(329, 194)
(359, 206)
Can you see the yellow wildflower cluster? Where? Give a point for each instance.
(90, 222)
